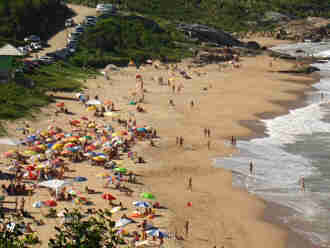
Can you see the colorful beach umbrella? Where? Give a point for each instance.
(157, 233)
(141, 204)
(108, 196)
(121, 170)
(80, 179)
(147, 195)
(60, 104)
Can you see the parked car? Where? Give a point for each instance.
(105, 8)
(90, 18)
(25, 51)
(75, 34)
(35, 46)
(69, 23)
(32, 38)
(46, 60)
(75, 39)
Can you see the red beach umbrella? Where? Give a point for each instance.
(50, 203)
(108, 196)
(60, 104)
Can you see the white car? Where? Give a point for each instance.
(69, 23)
(35, 46)
(23, 50)
(72, 39)
(104, 8)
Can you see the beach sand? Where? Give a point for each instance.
(220, 215)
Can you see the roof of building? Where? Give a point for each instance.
(9, 50)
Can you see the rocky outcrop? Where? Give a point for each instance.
(207, 34)
(275, 17)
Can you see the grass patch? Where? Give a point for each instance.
(18, 99)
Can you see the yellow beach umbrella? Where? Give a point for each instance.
(103, 175)
(98, 158)
(57, 146)
(111, 114)
(91, 108)
(29, 153)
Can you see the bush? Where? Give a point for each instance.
(119, 39)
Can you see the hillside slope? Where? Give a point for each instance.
(231, 15)
(20, 18)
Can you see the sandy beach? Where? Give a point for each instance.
(220, 215)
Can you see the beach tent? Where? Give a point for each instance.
(55, 184)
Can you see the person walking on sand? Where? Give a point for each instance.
(173, 88)
(302, 184)
(208, 133)
(190, 183)
(205, 132)
(177, 140)
(232, 140)
(181, 141)
(251, 168)
(208, 144)
(186, 226)
(192, 103)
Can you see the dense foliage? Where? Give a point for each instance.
(78, 231)
(231, 15)
(21, 18)
(118, 39)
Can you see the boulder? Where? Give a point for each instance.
(208, 34)
(272, 16)
(252, 45)
(311, 69)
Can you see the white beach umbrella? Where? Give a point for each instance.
(93, 102)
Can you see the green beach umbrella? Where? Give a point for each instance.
(148, 196)
(121, 169)
(2, 197)
(88, 137)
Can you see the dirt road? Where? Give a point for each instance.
(59, 40)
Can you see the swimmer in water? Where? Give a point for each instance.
(302, 184)
(251, 168)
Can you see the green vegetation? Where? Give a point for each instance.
(118, 39)
(96, 231)
(19, 98)
(230, 15)
(78, 231)
(21, 18)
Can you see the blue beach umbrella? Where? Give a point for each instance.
(80, 179)
(141, 204)
(157, 233)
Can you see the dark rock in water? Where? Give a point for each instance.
(311, 69)
(300, 51)
(208, 34)
(252, 45)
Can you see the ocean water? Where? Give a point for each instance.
(297, 145)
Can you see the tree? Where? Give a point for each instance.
(78, 231)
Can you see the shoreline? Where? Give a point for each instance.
(257, 127)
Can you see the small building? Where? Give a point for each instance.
(7, 54)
